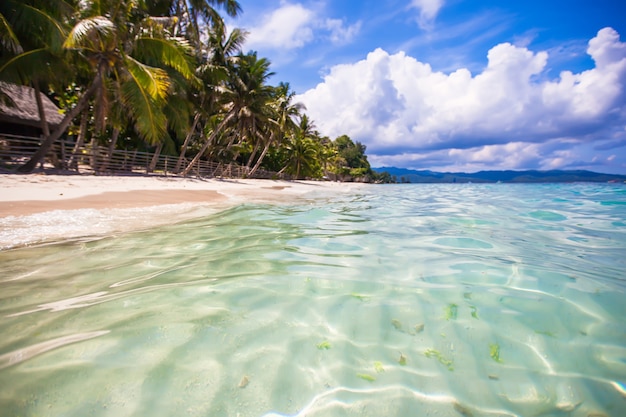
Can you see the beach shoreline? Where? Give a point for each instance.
(37, 208)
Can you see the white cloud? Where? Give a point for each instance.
(289, 26)
(429, 9)
(339, 33)
(293, 26)
(397, 105)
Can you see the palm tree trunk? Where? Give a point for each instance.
(114, 136)
(45, 129)
(206, 144)
(253, 154)
(30, 165)
(183, 149)
(219, 166)
(155, 157)
(82, 132)
(42, 113)
(93, 155)
(258, 162)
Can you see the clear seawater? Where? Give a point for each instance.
(401, 300)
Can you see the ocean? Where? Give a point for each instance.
(391, 300)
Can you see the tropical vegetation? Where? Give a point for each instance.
(166, 76)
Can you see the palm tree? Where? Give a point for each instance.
(219, 59)
(118, 49)
(303, 147)
(195, 15)
(253, 96)
(31, 34)
(282, 123)
(243, 100)
(33, 25)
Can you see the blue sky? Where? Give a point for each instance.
(456, 85)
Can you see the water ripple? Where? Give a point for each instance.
(400, 300)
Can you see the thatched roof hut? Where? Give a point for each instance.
(25, 112)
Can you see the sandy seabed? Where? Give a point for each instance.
(36, 208)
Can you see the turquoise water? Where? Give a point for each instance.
(407, 300)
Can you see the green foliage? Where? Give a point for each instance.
(93, 34)
(143, 69)
(382, 177)
(352, 153)
(359, 172)
(8, 39)
(172, 53)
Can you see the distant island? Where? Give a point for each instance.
(403, 175)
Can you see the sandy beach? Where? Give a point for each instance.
(37, 207)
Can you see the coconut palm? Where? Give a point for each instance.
(253, 96)
(303, 147)
(242, 101)
(31, 25)
(127, 54)
(214, 70)
(31, 34)
(195, 16)
(282, 123)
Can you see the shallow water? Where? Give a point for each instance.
(407, 300)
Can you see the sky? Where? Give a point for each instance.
(455, 85)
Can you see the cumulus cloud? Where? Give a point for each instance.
(293, 26)
(341, 34)
(397, 105)
(428, 10)
(289, 26)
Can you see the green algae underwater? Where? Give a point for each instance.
(446, 300)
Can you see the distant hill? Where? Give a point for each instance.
(413, 176)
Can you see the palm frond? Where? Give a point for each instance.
(212, 73)
(96, 34)
(178, 113)
(154, 81)
(36, 64)
(145, 107)
(232, 7)
(37, 25)
(170, 52)
(8, 40)
(62, 6)
(161, 22)
(169, 146)
(235, 41)
(60, 9)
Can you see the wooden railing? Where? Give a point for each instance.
(16, 150)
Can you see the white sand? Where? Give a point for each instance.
(38, 208)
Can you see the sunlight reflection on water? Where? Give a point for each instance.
(397, 300)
